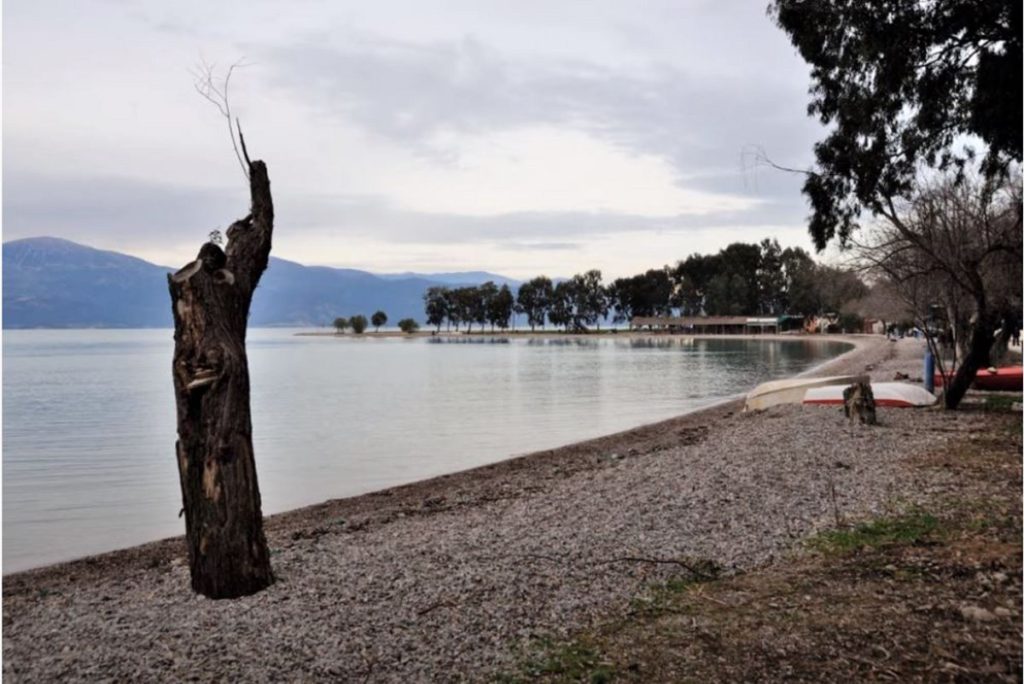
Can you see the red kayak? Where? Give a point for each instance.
(1007, 379)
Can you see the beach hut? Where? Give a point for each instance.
(694, 325)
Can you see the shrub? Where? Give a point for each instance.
(358, 323)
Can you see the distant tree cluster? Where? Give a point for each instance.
(470, 305)
(358, 323)
(741, 279)
(755, 279)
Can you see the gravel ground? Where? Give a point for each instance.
(442, 580)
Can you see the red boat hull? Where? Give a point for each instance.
(1008, 379)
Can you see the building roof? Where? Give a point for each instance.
(692, 321)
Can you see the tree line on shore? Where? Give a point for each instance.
(741, 279)
(379, 318)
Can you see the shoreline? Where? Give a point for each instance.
(284, 519)
(449, 577)
(610, 333)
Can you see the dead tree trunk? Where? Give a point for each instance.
(859, 403)
(210, 298)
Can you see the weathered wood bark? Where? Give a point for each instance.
(859, 403)
(210, 298)
(976, 357)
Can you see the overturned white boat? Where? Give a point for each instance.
(792, 390)
(885, 393)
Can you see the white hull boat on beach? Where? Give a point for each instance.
(792, 390)
(898, 394)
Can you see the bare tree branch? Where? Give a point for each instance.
(205, 83)
(241, 140)
(951, 253)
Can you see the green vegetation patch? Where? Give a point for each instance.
(910, 528)
(1002, 403)
(583, 658)
(662, 596)
(566, 661)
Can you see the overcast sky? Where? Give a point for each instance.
(518, 137)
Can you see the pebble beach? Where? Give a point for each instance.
(445, 579)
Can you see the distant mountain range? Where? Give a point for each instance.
(456, 279)
(55, 283)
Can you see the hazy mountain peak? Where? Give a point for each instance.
(50, 282)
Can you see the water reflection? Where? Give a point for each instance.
(89, 416)
(468, 340)
(562, 342)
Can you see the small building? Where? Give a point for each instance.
(764, 324)
(789, 322)
(873, 326)
(708, 325)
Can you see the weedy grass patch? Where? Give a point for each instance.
(575, 660)
(910, 528)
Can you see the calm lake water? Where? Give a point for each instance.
(89, 425)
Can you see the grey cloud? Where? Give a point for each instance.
(164, 215)
(542, 246)
(79, 208)
(409, 92)
(373, 217)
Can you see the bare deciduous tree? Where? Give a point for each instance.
(953, 250)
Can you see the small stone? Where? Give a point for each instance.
(999, 577)
(976, 613)
(1003, 612)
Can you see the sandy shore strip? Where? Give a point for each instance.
(442, 579)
